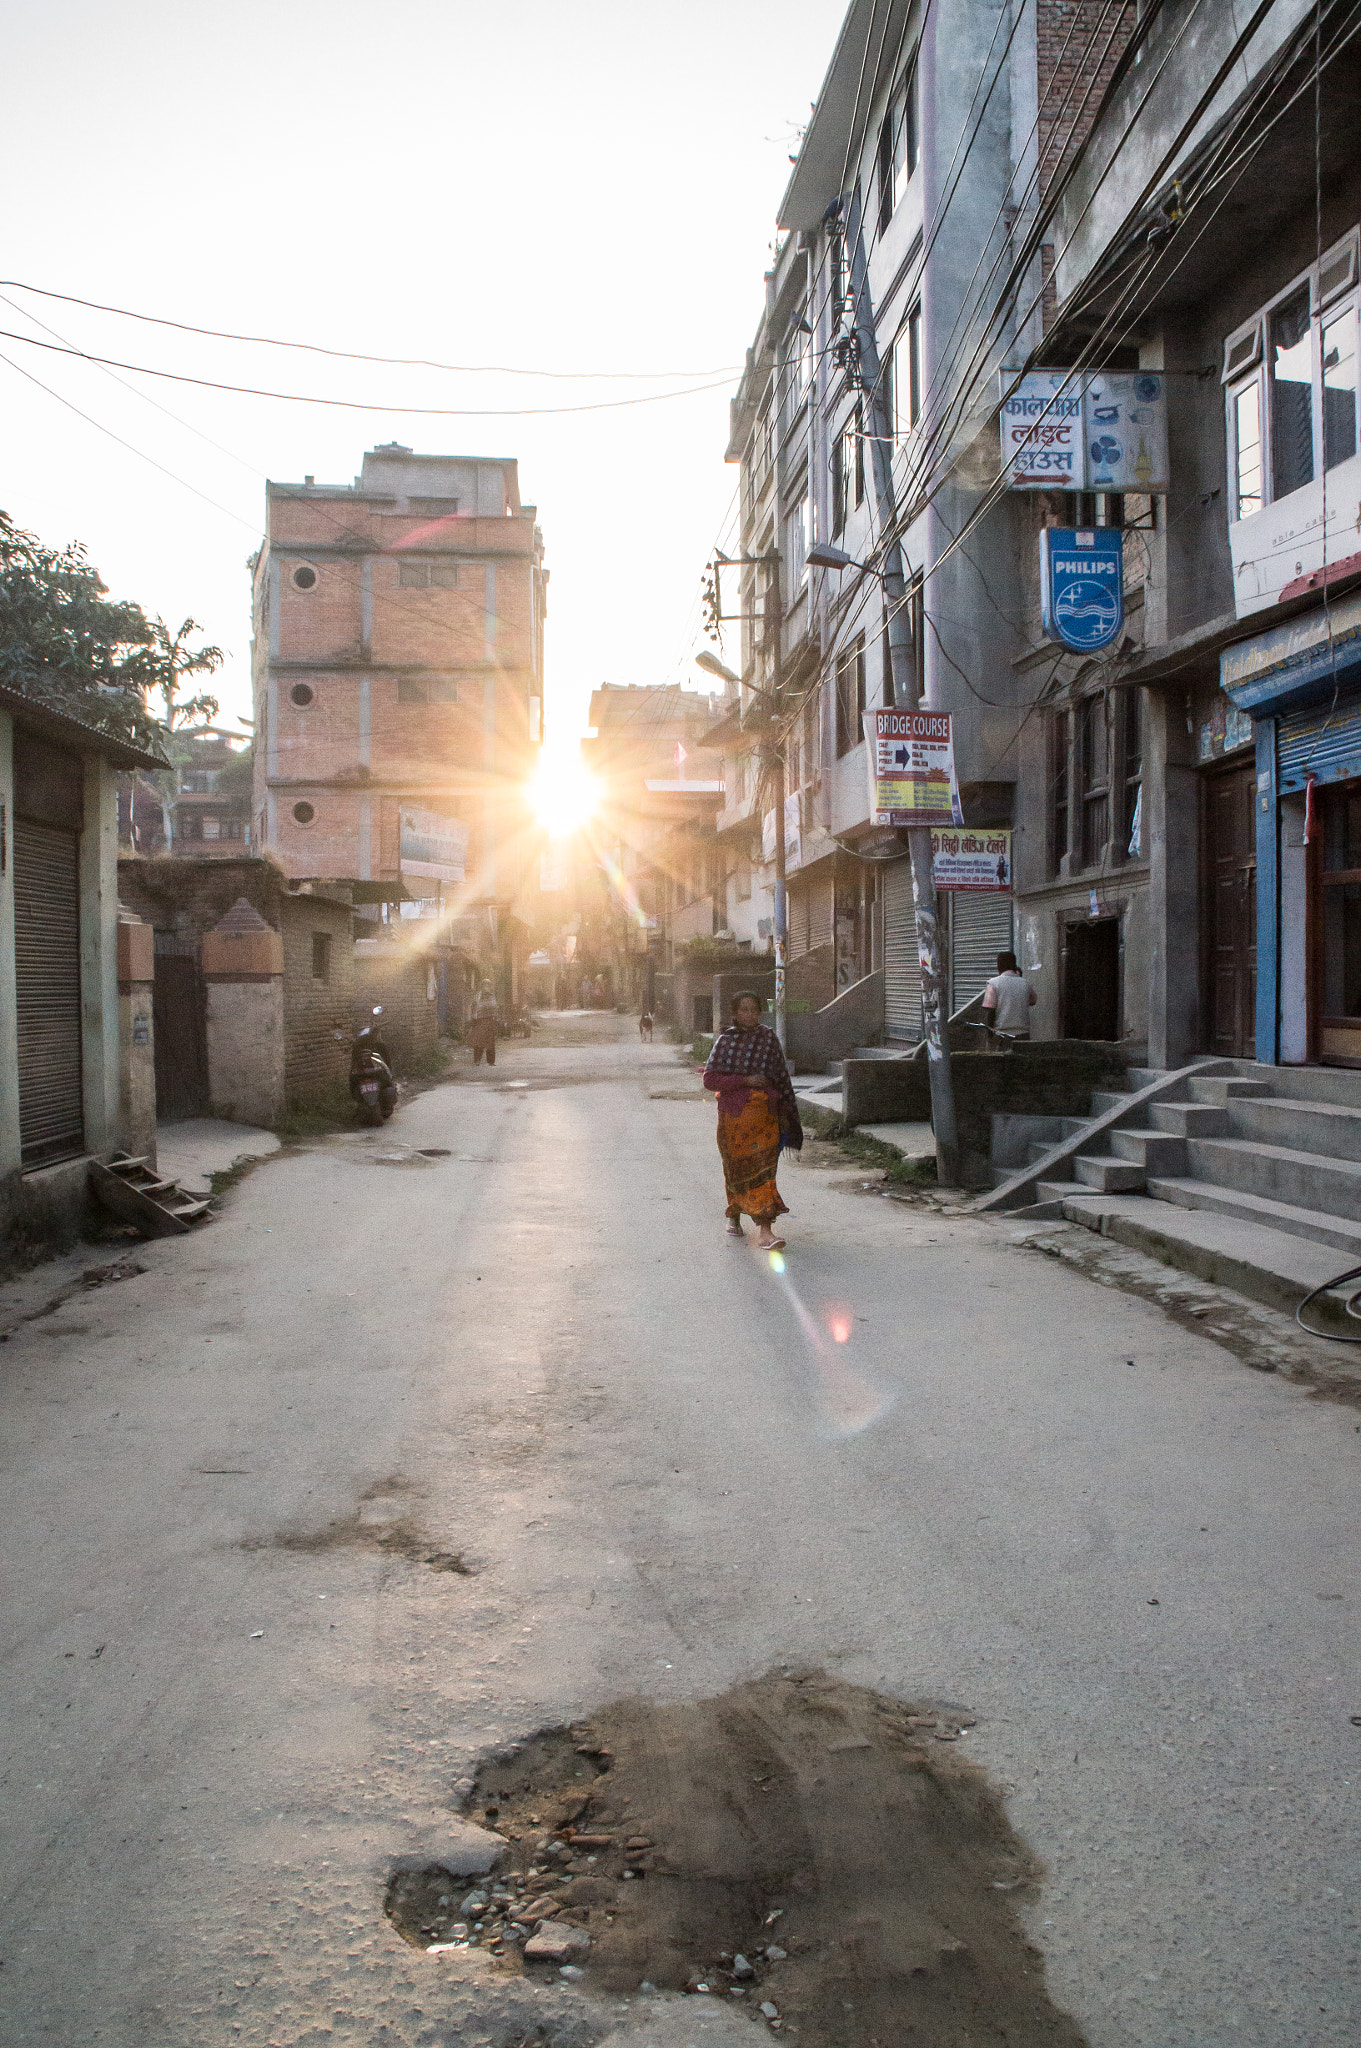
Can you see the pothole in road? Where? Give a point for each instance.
(814, 1854)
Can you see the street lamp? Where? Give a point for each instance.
(712, 666)
(822, 555)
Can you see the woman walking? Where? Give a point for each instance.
(482, 1029)
(757, 1117)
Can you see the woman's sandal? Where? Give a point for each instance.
(733, 1226)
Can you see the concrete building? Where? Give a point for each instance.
(1185, 861)
(398, 666)
(75, 1024)
(945, 133)
(208, 810)
(661, 868)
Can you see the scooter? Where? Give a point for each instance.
(371, 1079)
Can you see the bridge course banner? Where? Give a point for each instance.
(910, 757)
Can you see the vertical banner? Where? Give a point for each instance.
(910, 757)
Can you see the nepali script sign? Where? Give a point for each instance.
(911, 761)
(1090, 430)
(971, 860)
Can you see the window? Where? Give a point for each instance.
(1094, 768)
(212, 828)
(907, 372)
(412, 575)
(848, 471)
(798, 365)
(796, 547)
(1290, 387)
(304, 813)
(1131, 709)
(301, 694)
(412, 690)
(304, 577)
(897, 159)
(1058, 788)
(321, 956)
(850, 697)
(743, 877)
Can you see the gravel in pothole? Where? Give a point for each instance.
(816, 1855)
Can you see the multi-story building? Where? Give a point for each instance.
(208, 808)
(661, 789)
(398, 672)
(1186, 871)
(941, 136)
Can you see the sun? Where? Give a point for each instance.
(564, 794)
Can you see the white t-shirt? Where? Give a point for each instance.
(1010, 1006)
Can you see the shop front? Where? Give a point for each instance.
(1301, 686)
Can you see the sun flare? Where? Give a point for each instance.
(564, 794)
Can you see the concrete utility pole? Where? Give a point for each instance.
(775, 633)
(934, 1009)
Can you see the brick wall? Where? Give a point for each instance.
(318, 1010)
(385, 972)
(1078, 45)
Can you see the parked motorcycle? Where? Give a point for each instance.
(371, 1079)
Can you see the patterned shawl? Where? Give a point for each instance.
(738, 1053)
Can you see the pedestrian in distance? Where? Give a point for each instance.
(1007, 1001)
(482, 1029)
(645, 1027)
(757, 1118)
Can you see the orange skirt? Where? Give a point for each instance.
(749, 1145)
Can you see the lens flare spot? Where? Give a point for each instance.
(777, 1262)
(840, 1327)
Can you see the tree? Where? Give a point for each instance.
(64, 643)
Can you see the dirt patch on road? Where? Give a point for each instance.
(384, 1520)
(812, 1853)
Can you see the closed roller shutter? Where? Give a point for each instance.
(820, 913)
(47, 977)
(1325, 743)
(902, 972)
(980, 929)
(797, 913)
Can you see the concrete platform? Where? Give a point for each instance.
(192, 1152)
(914, 1141)
(1266, 1265)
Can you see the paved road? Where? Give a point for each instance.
(234, 1694)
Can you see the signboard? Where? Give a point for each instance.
(1082, 586)
(1089, 430)
(971, 860)
(433, 846)
(911, 760)
(1042, 431)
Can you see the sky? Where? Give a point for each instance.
(536, 186)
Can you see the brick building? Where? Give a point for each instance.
(398, 681)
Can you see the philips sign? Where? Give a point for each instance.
(1082, 586)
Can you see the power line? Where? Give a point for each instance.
(355, 356)
(357, 405)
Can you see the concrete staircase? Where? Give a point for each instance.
(1263, 1164)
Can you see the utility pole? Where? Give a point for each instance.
(903, 669)
(775, 640)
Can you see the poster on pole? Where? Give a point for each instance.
(971, 860)
(911, 760)
(433, 846)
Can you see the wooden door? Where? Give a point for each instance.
(1231, 913)
(179, 1022)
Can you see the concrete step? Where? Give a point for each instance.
(1306, 1180)
(879, 1052)
(1155, 1151)
(1222, 1088)
(1188, 1119)
(1143, 1077)
(1070, 1126)
(1332, 1129)
(1272, 1265)
(1339, 1085)
(1104, 1100)
(1109, 1176)
(1058, 1190)
(1314, 1224)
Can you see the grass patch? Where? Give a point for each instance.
(331, 1110)
(867, 1151)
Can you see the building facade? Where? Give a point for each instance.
(398, 676)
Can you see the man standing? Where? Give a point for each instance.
(1007, 1001)
(482, 1029)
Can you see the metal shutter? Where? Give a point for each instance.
(1323, 742)
(980, 929)
(902, 971)
(820, 912)
(796, 910)
(47, 976)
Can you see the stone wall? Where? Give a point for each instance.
(318, 1005)
(405, 983)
